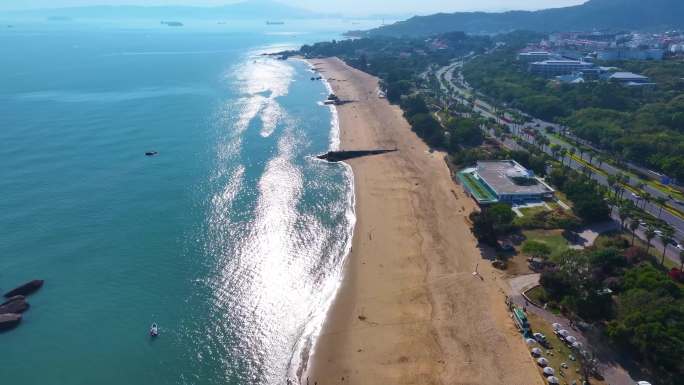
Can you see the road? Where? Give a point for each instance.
(464, 92)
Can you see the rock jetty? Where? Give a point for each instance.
(16, 305)
(9, 321)
(338, 156)
(26, 289)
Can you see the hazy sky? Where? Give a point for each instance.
(345, 6)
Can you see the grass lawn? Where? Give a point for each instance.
(553, 238)
(531, 211)
(558, 353)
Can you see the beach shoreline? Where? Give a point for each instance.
(408, 310)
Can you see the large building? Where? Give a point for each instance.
(630, 54)
(630, 79)
(503, 181)
(551, 68)
(528, 57)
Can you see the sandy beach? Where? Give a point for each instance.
(409, 310)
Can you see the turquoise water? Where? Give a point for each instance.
(231, 239)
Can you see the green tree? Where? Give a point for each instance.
(660, 201)
(633, 226)
(650, 234)
(666, 239)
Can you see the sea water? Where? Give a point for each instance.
(232, 239)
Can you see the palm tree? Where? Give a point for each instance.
(555, 149)
(633, 226)
(661, 202)
(600, 160)
(650, 234)
(647, 199)
(666, 239)
(623, 214)
(592, 154)
(612, 182)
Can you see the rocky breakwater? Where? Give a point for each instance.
(339, 156)
(11, 310)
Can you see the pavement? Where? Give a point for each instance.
(610, 367)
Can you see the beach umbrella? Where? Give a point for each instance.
(571, 339)
(549, 371)
(553, 380)
(536, 351)
(530, 341)
(557, 326)
(542, 361)
(563, 332)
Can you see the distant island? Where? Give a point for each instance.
(172, 23)
(658, 15)
(275, 23)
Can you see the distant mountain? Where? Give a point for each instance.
(594, 14)
(254, 9)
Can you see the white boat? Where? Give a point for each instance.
(154, 330)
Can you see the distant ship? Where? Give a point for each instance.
(172, 23)
(275, 22)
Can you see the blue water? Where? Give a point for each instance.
(232, 239)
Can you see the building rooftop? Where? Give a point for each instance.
(563, 62)
(627, 76)
(505, 177)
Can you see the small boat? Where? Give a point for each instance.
(151, 153)
(154, 330)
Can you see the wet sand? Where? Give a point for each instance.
(409, 310)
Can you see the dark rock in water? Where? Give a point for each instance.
(26, 288)
(9, 321)
(151, 153)
(338, 156)
(16, 304)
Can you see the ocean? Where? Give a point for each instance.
(232, 239)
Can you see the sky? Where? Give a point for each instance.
(329, 6)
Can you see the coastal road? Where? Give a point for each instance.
(488, 111)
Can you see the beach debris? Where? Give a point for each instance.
(16, 305)
(9, 321)
(25, 289)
